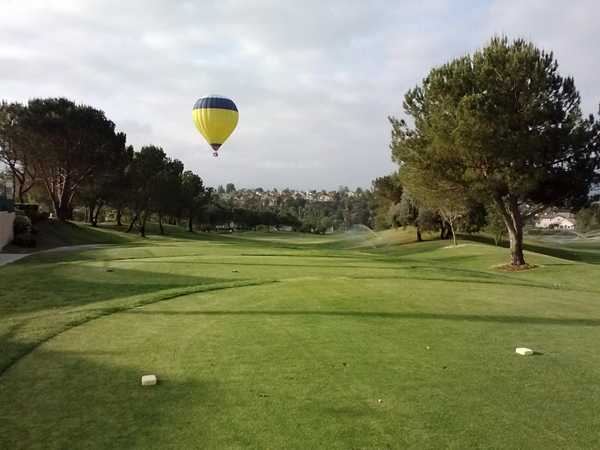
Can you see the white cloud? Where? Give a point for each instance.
(314, 81)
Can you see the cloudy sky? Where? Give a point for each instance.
(314, 80)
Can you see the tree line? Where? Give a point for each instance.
(71, 157)
(74, 155)
(311, 212)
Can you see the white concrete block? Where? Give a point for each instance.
(149, 380)
(524, 351)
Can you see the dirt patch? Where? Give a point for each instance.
(512, 268)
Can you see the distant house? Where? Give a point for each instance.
(556, 221)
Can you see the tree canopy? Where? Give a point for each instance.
(501, 125)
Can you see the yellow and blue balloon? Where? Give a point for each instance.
(215, 117)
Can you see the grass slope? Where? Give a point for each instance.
(573, 247)
(283, 340)
(54, 233)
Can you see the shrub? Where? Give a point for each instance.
(24, 240)
(21, 225)
(27, 208)
(31, 210)
(38, 216)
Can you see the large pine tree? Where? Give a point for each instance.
(504, 126)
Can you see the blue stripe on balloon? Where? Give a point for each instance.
(215, 102)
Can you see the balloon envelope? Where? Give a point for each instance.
(215, 118)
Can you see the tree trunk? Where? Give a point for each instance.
(516, 248)
(90, 214)
(55, 205)
(63, 211)
(453, 233)
(514, 224)
(133, 221)
(14, 186)
(143, 224)
(98, 208)
(62, 206)
(160, 225)
(119, 215)
(419, 238)
(516, 241)
(21, 193)
(191, 223)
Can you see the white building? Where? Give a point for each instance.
(558, 221)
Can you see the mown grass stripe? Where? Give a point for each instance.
(131, 302)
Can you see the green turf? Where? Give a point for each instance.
(284, 340)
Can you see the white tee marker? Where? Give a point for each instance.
(524, 351)
(149, 380)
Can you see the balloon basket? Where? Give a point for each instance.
(215, 154)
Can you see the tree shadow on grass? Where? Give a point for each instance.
(456, 280)
(30, 330)
(403, 272)
(62, 286)
(12, 348)
(54, 233)
(454, 259)
(63, 400)
(70, 400)
(309, 255)
(386, 315)
(36, 307)
(270, 264)
(586, 256)
(399, 252)
(93, 399)
(135, 251)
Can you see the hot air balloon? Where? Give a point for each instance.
(215, 117)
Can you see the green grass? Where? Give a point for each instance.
(284, 340)
(566, 245)
(53, 233)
